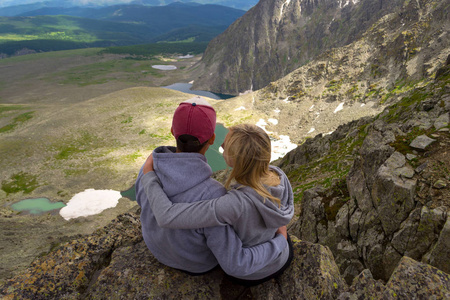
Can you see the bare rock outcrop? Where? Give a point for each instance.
(114, 263)
(397, 195)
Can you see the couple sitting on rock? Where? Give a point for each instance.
(192, 223)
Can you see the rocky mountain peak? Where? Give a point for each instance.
(276, 37)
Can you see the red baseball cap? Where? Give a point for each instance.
(195, 117)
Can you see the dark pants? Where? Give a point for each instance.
(274, 275)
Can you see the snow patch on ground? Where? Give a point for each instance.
(261, 123)
(273, 121)
(340, 107)
(277, 111)
(282, 8)
(311, 130)
(186, 56)
(281, 145)
(344, 3)
(164, 67)
(90, 202)
(240, 108)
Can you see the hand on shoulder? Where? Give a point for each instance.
(148, 165)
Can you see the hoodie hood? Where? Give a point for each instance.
(273, 215)
(179, 172)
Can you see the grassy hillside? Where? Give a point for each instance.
(50, 33)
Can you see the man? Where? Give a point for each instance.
(185, 177)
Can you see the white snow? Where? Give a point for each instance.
(340, 107)
(90, 202)
(261, 123)
(344, 3)
(277, 111)
(311, 130)
(186, 56)
(273, 121)
(282, 7)
(240, 108)
(286, 100)
(363, 104)
(164, 67)
(281, 147)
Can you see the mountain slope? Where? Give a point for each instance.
(275, 37)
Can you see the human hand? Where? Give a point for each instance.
(283, 230)
(148, 165)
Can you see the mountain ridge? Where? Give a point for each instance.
(268, 49)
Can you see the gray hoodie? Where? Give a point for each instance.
(186, 178)
(254, 219)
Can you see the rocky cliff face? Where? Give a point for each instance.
(276, 37)
(395, 198)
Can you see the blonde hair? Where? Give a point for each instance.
(249, 148)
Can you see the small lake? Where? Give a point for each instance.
(37, 205)
(186, 88)
(164, 67)
(213, 155)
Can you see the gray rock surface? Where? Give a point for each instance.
(410, 277)
(114, 263)
(421, 142)
(396, 207)
(442, 121)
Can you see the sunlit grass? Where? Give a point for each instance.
(53, 54)
(101, 72)
(17, 37)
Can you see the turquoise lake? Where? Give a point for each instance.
(37, 205)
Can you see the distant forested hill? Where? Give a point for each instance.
(170, 16)
(19, 7)
(113, 26)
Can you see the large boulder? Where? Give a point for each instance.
(114, 263)
(395, 206)
(410, 280)
(414, 280)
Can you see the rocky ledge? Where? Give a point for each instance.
(114, 263)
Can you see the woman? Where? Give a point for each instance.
(258, 204)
